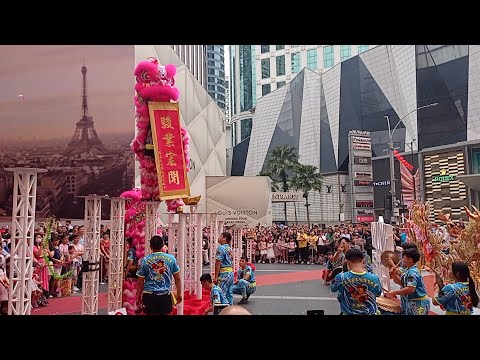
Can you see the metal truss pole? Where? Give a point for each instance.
(93, 217)
(115, 264)
(213, 241)
(23, 227)
(198, 252)
(181, 256)
(151, 209)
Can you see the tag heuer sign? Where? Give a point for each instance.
(360, 160)
(363, 174)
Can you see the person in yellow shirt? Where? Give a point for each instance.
(302, 239)
(312, 247)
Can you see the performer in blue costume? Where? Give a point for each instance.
(246, 284)
(414, 299)
(460, 297)
(223, 266)
(357, 288)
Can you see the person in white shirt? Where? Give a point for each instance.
(321, 248)
(81, 233)
(79, 249)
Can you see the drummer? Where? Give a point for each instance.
(460, 297)
(357, 288)
(400, 269)
(414, 300)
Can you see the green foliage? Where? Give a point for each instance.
(50, 226)
(306, 179)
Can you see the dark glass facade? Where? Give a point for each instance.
(370, 87)
(442, 78)
(246, 77)
(216, 74)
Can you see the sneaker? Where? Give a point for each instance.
(308, 262)
(242, 302)
(76, 289)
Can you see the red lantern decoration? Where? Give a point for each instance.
(395, 152)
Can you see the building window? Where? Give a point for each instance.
(280, 65)
(328, 56)
(245, 128)
(211, 87)
(234, 133)
(265, 89)
(345, 52)
(264, 49)
(312, 59)
(265, 68)
(294, 46)
(295, 62)
(476, 161)
(280, 47)
(280, 84)
(362, 48)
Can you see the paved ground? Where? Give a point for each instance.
(290, 298)
(282, 289)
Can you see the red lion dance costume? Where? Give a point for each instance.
(154, 82)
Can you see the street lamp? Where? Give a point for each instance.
(393, 218)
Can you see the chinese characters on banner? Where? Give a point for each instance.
(169, 155)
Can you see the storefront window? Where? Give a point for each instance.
(476, 161)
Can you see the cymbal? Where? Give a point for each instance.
(386, 255)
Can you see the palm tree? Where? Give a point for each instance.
(282, 161)
(307, 179)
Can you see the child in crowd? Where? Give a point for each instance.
(291, 251)
(36, 291)
(263, 250)
(73, 262)
(279, 246)
(270, 251)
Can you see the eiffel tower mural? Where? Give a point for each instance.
(85, 139)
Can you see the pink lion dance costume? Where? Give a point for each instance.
(154, 82)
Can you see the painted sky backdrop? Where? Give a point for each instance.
(49, 78)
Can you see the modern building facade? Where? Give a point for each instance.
(202, 117)
(315, 112)
(193, 56)
(257, 70)
(216, 74)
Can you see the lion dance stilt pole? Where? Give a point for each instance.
(154, 83)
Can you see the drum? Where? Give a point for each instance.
(388, 306)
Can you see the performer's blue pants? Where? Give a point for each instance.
(225, 281)
(244, 288)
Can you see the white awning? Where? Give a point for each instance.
(471, 181)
